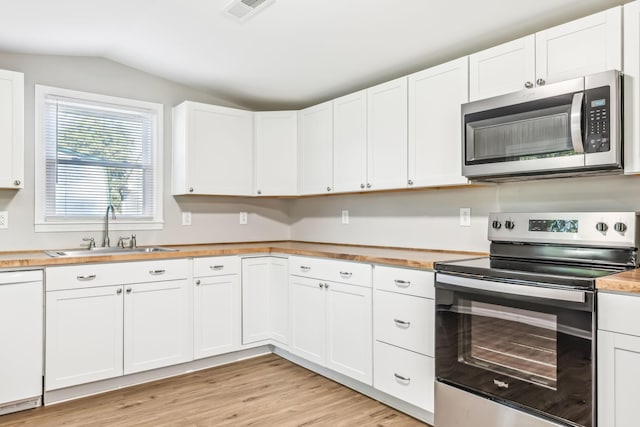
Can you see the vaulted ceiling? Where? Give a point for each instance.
(291, 54)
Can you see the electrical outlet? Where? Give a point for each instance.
(4, 219)
(465, 217)
(345, 217)
(244, 218)
(186, 218)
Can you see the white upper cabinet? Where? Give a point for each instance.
(212, 150)
(435, 96)
(387, 135)
(11, 129)
(275, 149)
(502, 69)
(350, 142)
(585, 46)
(632, 87)
(315, 155)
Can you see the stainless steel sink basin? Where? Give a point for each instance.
(107, 251)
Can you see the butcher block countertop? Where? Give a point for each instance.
(417, 258)
(627, 281)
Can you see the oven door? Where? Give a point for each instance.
(528, 346)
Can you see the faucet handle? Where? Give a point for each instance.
(121, 241)
(133, 244)
(91, 240)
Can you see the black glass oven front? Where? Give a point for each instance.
(529, 352)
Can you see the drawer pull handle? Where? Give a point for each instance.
(401, 378)
(402, 323)
(216, 267)
(345, 274)
(157, 272)
(305, 268)
(402, 283)
(86, 278)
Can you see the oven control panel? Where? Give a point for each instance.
(618, 229)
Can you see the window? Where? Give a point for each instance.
(94, 151)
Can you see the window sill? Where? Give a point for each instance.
(52, 227)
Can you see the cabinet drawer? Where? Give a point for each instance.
(404, 321)
(404, 374)
(216, 266)
(404, 281)
(619, 313)
(93, 275)
(335, 271)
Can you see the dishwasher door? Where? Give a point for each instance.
(21, 331)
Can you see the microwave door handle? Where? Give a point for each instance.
(576, 122)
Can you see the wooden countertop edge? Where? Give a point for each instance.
(405, 257)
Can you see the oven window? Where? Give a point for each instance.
(515, 342)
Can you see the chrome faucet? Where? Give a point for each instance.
(105, 238)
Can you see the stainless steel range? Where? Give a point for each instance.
(515, 331)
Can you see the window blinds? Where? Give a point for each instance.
(98, 155)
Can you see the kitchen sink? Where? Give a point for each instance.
(107, 251)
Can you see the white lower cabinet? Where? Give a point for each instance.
(216, 306)
(100, 325)
(618, 360)
(331, 321)
(265, 300)
(403, 313)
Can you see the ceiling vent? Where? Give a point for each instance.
(244, 9)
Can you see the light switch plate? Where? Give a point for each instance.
(244, 218)
(345, 217)
(465, 217)
(4, 219)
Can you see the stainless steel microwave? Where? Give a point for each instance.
(572, 127)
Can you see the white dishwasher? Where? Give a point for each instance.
(21, 340)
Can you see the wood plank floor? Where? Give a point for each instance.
(264, 391)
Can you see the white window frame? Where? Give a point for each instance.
(40, 224)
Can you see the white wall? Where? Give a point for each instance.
(215, 219)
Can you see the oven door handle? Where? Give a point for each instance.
(568, 295)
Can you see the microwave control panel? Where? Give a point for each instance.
(598, 138)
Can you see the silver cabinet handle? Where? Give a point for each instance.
(320, 285)
(345, 274)
(540, 82)
(326, 286)
(305, 268)
(402, 378)
(259, 192)
(17, 182)
(86, 278)
(410, 182)
(328, 188)
(197, 282)
(361, 185)
(402, 323)
(128, 290)
(402, 283)
(190, 189)
(368, 185)
(119, 291)
(216, 267)
(528, 85)
(157, 272)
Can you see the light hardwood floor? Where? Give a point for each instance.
(264, 391)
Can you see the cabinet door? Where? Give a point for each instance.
(350, 142)
(435, 145)
(256, 300)
(307, 309)
(275, 149)
(83, 336)
(502, 69)
(618, 379)
(158, 328)
(216, 309)
(387, 135)
(315, 149)
(279, 302)
(11, 129)
(213, 150)
(584, 46)
(349, 331)
(632, 87)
